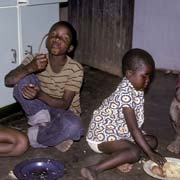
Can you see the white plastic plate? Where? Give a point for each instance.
(149, 164)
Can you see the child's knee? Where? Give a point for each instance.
(22, 144)
(76, 130)
(19, 145)
(29, 79)
(75, 126)
(136, 153)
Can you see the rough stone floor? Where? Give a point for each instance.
(98, 85)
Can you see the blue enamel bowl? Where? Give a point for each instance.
(39, 169)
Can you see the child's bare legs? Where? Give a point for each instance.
(12, 142)
(152, 141)
(174, 146)
(122, 152)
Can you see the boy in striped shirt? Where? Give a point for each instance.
(48, 88)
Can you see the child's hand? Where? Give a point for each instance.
(157, 158)
(39, 63)
(30, 91)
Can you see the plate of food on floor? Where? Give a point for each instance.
(169, 171)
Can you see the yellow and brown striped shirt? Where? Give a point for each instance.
(69, 78)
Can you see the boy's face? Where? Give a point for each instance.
(59, 41)
(140, 78)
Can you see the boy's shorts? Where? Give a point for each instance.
(94, 147)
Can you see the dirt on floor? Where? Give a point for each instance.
(98, 85)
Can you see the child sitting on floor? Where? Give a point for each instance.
(174, 146)
(12, 142)
(115, 127)
(48, 88)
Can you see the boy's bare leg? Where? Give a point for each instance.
(12, 142)
(174, 146)
(65, 145)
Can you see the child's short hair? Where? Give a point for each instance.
(71, 29)
(134, 58)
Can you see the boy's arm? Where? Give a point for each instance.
(32, 91)
(63, 103)
(138, 136)
(38, 63)
(72, 87)
(15, 75)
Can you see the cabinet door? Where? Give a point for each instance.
(36, 21)
(8, 50)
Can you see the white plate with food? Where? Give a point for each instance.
(170, 170)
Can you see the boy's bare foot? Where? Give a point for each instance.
(174, 147)
(88, 173)
(125, 168)
(65, 145)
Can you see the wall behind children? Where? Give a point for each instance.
(104, 29)
(157, 30)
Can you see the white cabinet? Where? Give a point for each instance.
(35, 23)
(23, 24)
(8, 50)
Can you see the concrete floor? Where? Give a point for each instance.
(98, 85)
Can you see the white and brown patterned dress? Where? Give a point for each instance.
(108, 122)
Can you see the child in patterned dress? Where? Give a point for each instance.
(48, 88)
(115, 127)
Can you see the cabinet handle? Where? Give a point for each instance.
(14, 56)
(30, 50)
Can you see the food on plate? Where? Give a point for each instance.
(171, 170)
(157, 170)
